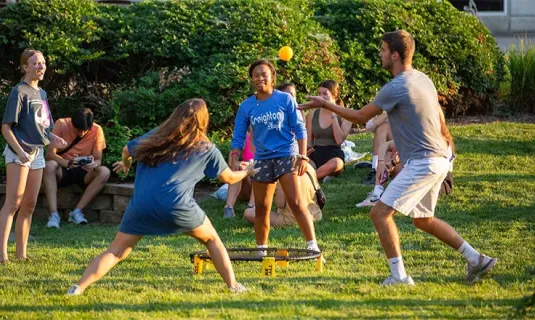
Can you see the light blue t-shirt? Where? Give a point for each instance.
(276, 124)
(163, 202)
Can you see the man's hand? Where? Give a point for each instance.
(313, 103)
(120, 167)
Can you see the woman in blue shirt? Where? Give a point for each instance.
(26, 126)
(279, 137)
(171, 159)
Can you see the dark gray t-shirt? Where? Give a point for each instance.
(411, 102)
(27, 109)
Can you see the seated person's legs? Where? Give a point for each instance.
(93, 182)
(382, 135)
(232, 194)
(52, 174)
(329, 160)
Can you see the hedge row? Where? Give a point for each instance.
(133, 64)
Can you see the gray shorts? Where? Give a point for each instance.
(272, 169)
(37, 159)
(414, 191)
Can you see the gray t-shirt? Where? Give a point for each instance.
(27, 109)
(411, 102)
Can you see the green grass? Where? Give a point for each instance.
(492, 207)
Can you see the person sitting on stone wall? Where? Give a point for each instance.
(79, 163)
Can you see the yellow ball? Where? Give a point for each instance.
(286, 53)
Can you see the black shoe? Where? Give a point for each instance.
(362, 164)
(370, 178)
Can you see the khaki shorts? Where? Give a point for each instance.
(37, 159)
(288, 218)
(414, 191)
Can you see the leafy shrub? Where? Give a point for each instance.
(210, 44)
(453, 48)
(133, 64)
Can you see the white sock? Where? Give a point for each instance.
(313, 245)
(397, 268)
(469, 253)
(375, 160)
(378, 190)
(262, 253)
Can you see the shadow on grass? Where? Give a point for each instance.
(221, 307)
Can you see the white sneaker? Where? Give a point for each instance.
(77, 217)
(318, 250)
(370, 201)
(391, 281)
(239, 288)
(74, 291)
(54, 220)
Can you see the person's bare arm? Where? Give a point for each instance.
(356, 116)
(229, 176)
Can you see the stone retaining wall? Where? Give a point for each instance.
(107, 207)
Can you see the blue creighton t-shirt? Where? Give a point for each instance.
(276, 124)
(163, 202)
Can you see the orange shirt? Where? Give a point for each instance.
(92, 141)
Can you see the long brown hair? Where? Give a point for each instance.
(445, 131)
(182, 133)
(334, 88)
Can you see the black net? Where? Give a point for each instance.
(256, 254)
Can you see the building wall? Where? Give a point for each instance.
(519, 17)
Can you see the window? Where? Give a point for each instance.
(482, 5)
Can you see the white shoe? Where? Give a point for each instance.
(239, 288)
(74, 291)
(391, 281)
(77, 217)
(370, 201)
(318, 250)
(54, 220)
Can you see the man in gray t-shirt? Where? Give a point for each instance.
(415, 117)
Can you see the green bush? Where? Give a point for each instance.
(133, 64)
(453, 48)
(206, 47)
(64, 30)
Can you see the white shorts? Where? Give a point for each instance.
(37, 159)
(414, 191)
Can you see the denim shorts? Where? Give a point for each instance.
(272, 169)
(37, 159)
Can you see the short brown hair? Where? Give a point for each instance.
(402, 42)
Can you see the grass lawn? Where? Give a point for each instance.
(493, 207)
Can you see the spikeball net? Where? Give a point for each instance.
(270, 258)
